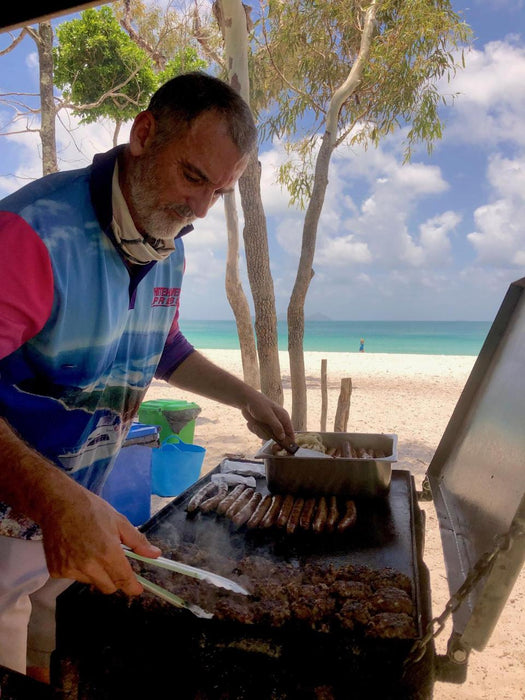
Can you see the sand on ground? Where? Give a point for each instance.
(412, 396)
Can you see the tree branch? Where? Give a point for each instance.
(200, 36)
(156, 56)
(286, 82)
(15, 42)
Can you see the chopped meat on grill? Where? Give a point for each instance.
(268, 588)
(353, 614)
(236, 610)
(313, 605)
(351, 589)
(320, 597)
(259, 567)
(317, 573)
(271, 612)
(388, 577)
(391, 600)
(352, 572)
(390, 625)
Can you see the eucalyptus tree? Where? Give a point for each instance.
(338, 72)
(27, 108)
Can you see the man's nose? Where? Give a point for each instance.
(202, 201)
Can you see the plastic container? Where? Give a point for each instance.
(128, 486)
(175, 466)
(172, 417)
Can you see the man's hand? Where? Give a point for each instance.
(82, 541)
(267, 419)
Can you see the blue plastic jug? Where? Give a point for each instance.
(175, 466)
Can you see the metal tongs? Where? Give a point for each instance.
(186, 570)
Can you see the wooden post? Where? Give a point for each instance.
(324, 396)
(343, 406)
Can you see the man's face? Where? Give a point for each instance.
(169, 187)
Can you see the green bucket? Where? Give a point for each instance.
(173, 417)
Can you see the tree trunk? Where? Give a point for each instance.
(237, 298)
(116, 132)
(302, 282)
(233, 22)
(343, 406)
(324, 396)
(44, 42)
(305, 271)
(261, 282)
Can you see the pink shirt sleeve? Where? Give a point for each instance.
(26, 283)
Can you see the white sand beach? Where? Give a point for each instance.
(412, 396)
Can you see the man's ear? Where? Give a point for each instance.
(142, 133)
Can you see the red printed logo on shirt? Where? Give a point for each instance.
(165, 296)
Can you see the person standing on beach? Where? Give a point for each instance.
(362, 345)
(92, 264)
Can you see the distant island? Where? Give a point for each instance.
(318, 317)
(311, 317)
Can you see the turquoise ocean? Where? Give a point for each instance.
(392, 337)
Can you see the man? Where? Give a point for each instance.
(91, 267)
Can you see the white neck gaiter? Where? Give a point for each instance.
(137, 248)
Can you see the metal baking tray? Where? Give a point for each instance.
(355, 477)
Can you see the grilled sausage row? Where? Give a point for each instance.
(245, 506)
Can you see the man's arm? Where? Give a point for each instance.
(264, 417)
(82, 534)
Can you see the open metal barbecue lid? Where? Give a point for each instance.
(477, 475)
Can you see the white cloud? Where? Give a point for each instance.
(491, 102)
(499, 238)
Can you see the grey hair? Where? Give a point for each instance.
(177, 103)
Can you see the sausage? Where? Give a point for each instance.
(260, 512)
(307, 514)
(285, 511)
(273, 511)
(321, 516)
(230, 498)
(210, 504)
(362, 453)
(244, 514)
(349, 517)
(239, 502)
(202, 494)
(293, 520)
(333, 514)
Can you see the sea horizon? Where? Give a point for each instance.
(390, 337)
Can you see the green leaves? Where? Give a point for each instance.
(100, 69)
(306, 50)
(103, 72)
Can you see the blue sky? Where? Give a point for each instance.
(440, 238)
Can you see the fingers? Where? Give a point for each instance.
(84, 543)
(116, 576)
(138, 542)
(269, 420)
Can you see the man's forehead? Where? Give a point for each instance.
(207, 151)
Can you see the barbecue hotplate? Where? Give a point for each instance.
(386, 533)
(112, 647)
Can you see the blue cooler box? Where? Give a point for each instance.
(128, 487)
